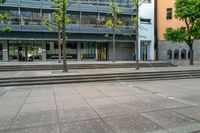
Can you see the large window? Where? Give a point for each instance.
(26, 17)
(90, 20)
(126, 20)
(74, 18)
(88, 50)
(14, 17)
(53, 51)
(36, 18)
(71, 50)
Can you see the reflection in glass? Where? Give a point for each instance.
(88, 50)
(25, 50)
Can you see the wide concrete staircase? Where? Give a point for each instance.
(4, 68)
(133, 77)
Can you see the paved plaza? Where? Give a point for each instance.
(113, 107)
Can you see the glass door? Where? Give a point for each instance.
(21, 53)
(101, 52)
(1, 51)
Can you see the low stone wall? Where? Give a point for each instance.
(164, 46)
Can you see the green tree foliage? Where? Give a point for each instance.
(61, 20)
(3, 19)
(187, 11)
(57, 24)
(113, 23)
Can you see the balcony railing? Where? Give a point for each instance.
(70, 28)
(76, 5)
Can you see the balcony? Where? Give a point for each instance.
(71, 29)
(75, 5)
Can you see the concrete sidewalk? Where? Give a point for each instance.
(93, 71)
(117, 107)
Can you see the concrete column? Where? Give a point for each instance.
(173, 55)
(44, 51)
(5, 51)
(78, 51)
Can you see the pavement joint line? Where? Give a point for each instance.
(56, 109)
(94, 110)
(143, 89)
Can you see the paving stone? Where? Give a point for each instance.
(32, 119)
(143, 105)
(191, 128)
(132, 123)
(76, 114)
(71, 104)
(93, 95)
(40, 99)
(37, 107)
(90, 126)
(5, 121)
(101, 101)
(41, 129)
(112, 110)
(168, 119)
(192, 99)
(125, 99)
(71, 97)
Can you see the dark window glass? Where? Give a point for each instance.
(1, 51)
(145, 20)
(169, 13)
(47, 46)
(176, 54)
(55, 45)
(169, 54)
(183, 54)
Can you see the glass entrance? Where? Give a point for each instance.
(25, 51)
(145, 50)
(101, 52)
(1, 51)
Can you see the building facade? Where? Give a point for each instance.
(30, 39)
(167, 50)
(146, 31)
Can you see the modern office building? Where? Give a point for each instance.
(167, 50)
(30, 39)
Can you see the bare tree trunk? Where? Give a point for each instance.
(191, 55)
(59, 45)
(137, 38)
(114, 48)
(65, 69)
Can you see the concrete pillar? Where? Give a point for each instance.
(5, 51)
(78, 51)
(44, 51)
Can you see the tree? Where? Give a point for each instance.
(113, 23)
(61, 20)
(136, 20)
(187, 11)
(3, 19)
(56, 25)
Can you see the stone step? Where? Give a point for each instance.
(78, 66)
(98, 78)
